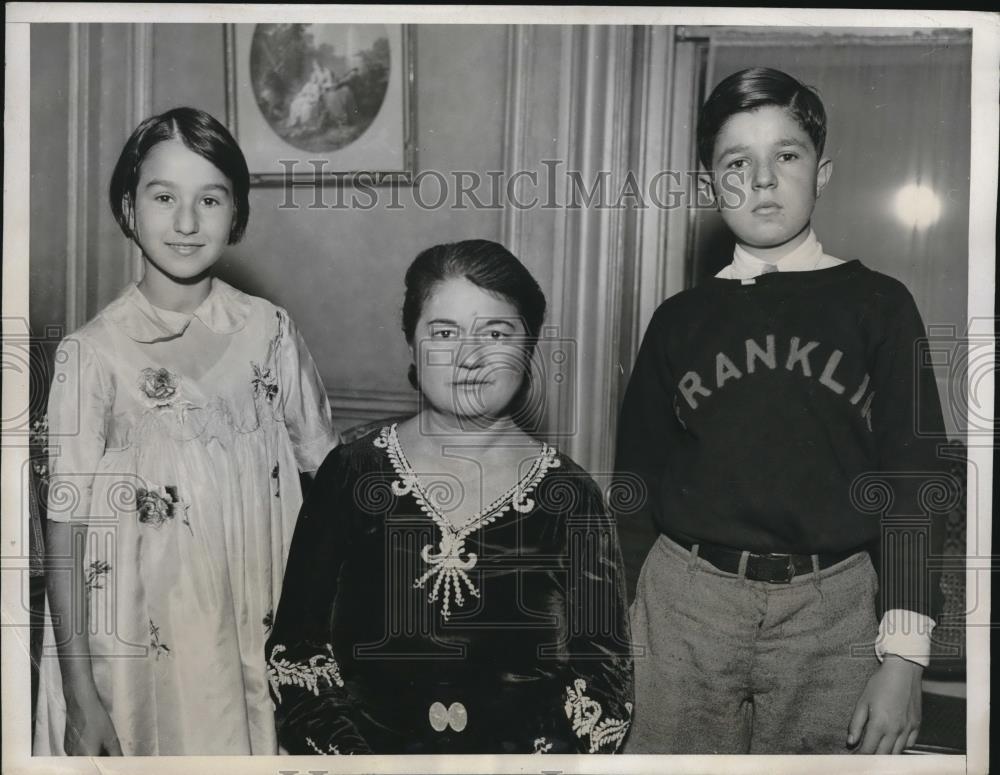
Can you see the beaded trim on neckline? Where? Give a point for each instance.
(448, 564)
(409, 483)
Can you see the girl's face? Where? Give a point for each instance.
(184, 209)
(470, 351)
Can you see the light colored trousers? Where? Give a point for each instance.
(732, 666)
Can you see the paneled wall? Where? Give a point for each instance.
(500, 100)
(488, 99)
(340, 272)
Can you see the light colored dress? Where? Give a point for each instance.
(178, 438)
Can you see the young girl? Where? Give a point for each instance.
(180, 417)
(455, 585)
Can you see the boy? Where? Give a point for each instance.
(766, 410)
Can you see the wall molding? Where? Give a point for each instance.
(520, 63)
(665, 118)
(139, 100)
(78, 174)
(109, 93)
(354, 407)
(595, 99)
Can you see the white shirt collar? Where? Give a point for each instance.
(805, 258)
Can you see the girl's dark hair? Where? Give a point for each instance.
(201, 133)
(754, 88)
(486, 264)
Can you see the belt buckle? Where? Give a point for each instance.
(789, 568)
(770, 565)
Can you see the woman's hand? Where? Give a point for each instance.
(89, 730)
(888, 712)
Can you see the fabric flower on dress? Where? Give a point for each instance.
(159, 387)
(265, 384)
(158, 504)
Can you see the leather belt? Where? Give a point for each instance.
(772, 568)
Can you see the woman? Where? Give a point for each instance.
(454, 585)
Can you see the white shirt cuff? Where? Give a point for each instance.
(906, 634)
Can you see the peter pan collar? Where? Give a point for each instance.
(224, 311)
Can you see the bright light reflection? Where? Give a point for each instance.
(917, 206)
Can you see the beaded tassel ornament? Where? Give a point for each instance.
(450, 563)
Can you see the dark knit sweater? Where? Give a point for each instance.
(782, 416)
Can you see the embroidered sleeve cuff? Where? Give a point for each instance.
(320, 668)
(906, 634)
(600, 733)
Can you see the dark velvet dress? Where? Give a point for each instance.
(399, 634)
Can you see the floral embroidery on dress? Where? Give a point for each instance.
(154, 642)
(585, 714)
(158, 504)
(330, 749)
(285, 672)
(448, 563)
(265, 381)
(159, 387)
(96, 573)
(542, 745)
(265, 385)
(38, 437)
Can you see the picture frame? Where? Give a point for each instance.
(322, 103)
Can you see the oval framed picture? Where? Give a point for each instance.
(309, 102)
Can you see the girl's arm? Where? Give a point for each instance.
(304, 403)
(313, 709)
(79, 404)
(89, 730)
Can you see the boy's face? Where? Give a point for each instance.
(767, 177)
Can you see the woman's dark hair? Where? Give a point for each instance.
(201, 133)
(486, 264)
(754, 88)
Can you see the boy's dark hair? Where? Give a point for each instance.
(484, 263)
(754, 88)
(201, 133)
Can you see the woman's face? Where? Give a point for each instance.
(470, 351)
